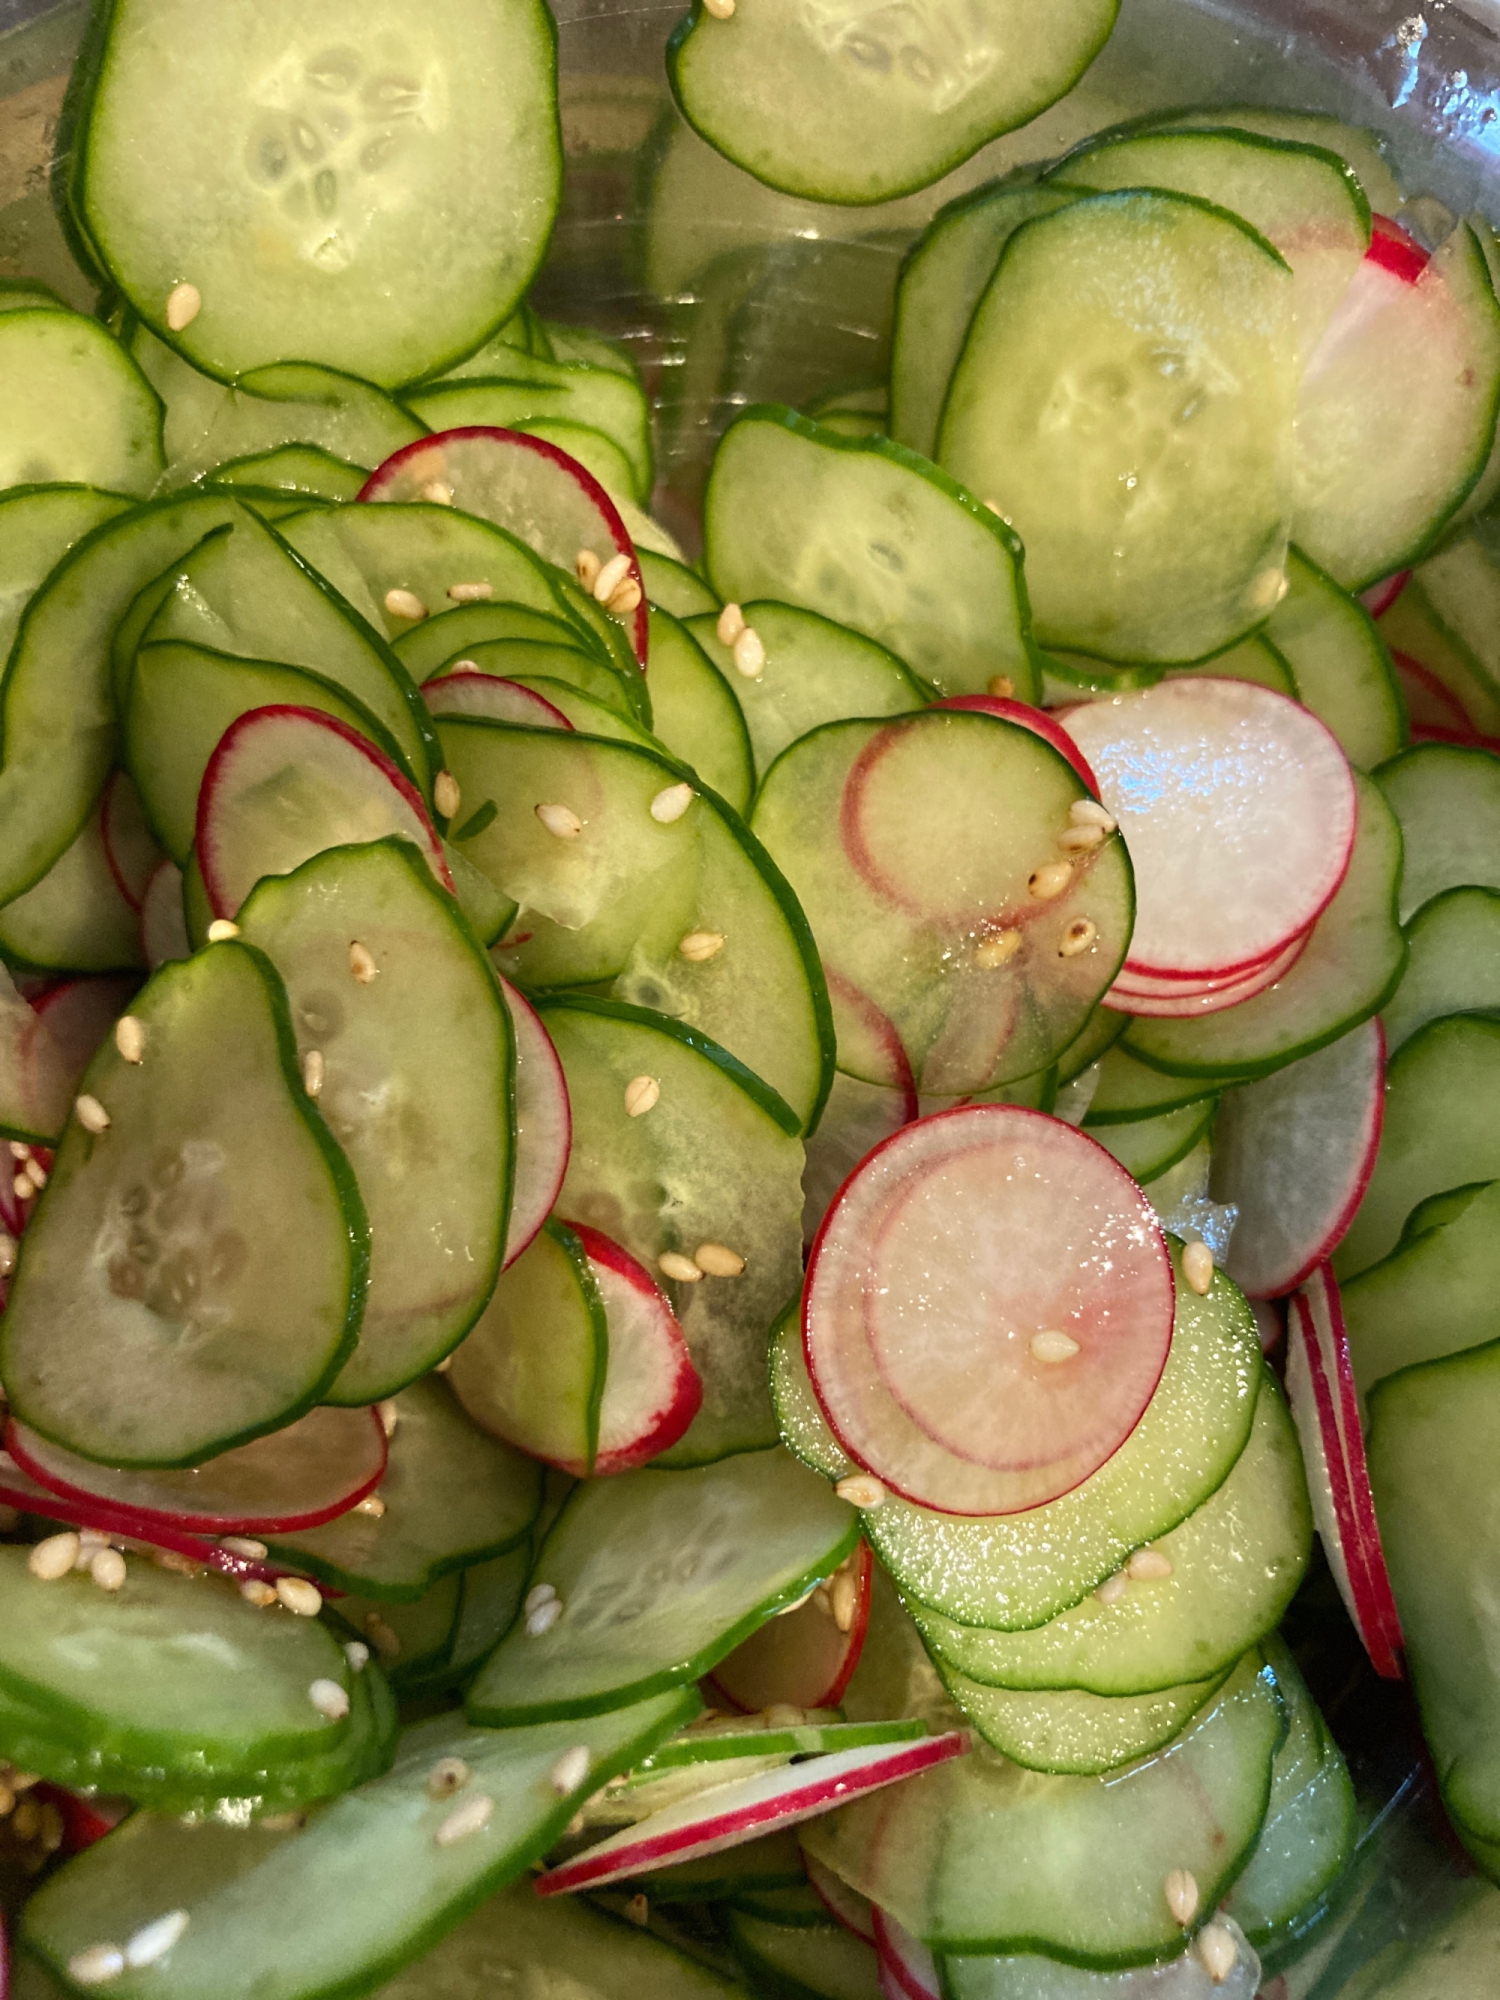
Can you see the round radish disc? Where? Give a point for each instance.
(163, 924)
(287, 783)
(1237, 806)
(801, 1658)
(294, 1478)
(1186, 1003)
(944, 1275)
(652, 1391)
(462, 693)
(80, 1013)
(1037, 720)
(544, 1124)
(524, 485)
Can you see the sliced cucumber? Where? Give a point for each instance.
(1029, 1976)
(874, 537)
(1446, 797)
(1067, 1731)
(1420, 627)
(1147, 1147)
(38, 526)
(533, 390)
(77, 918)
(1434, 1294)
(413, 1641)
(817, 1961)
(716, 1743)
(535, 614)
(673, 587)
(1095, 1039)
(1339, 663)
(299, 468)
(78, 409)
(531, 659)
(489, 1605)
(1454, 962)
(695, 713)
(1347, 973)
(659, 1575)
(597, 453)
(1128, 1091)
(1364, 152)
(154, 1321)
(710, 1162)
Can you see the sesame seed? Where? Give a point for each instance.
(861, 1489)
(24, 1186)
(357, 1653)
(446, 795)
(385, 1639)
(994, 507)
(671, 804)
(471, 593)
(7, 1254)
(1217, 1952)
(19, 1150)
(539, 1593)
(683, 1269)
(54, 1557)
(390, 1416)
(722, 10)
(96, 1966)
(405, 604)
(731, 624)
(1079, 839)
(698, 947)
(184, 303)
(749, 654)
(222, 929)
(845, 1599)
(1001, 686)
(447, 1776)
(992, 952)
(1077, 938)
(246, 1546)
(610, 577)
(782, 1715)
(1050, 880)
(560, 821)
(372, 1505)
(570, 1770)
(717, 1260)
(642, 1094)
(299, 1596)
(329, 1699)
(108, 1569)
(155, 1940)
(362, 963)
(1198, 1267)
(1183, 1895)
(586, 567)
(545, 1616)
(1148, 1566)
(1052, 1345)
(438, 492)
(313, 1072)
(37, 1174)
(1113, 1588)
(285, 1822)
(255, 1590)
(624, 598)
(1089, 812)
(637, 1911)
(472, 1817)
(27, 1821)
(130, 1038)
(174, 1560)
(444, 1365)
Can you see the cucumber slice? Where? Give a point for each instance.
(1030, 1977)
(1128, 1092)
(1066, 1731)
(857, 1118)
(532, 390)
(108, 1345)
(716, 1743)
(1348, 971)
(164, 918)
(1446, 797)
(1073, 1867)
(859, 112)
(581, 711)
(397, 119)
(1364, 152)
(413, 1641)
(710, 1162)
(419, 1067)
(1149, 1146)
(738, 1541)
(803, 1962)
(79, 410)
(1254, 659)
(37, 1079)
(1204, 533)
(544, 1124)
(489, 1605)
(1340, 664)
(38, 526)
(874, 537)
(532, 659)
(1433, 1295)
(1454, 962)
(596, 452)
(694, 710)
(912, 847)
(673, 587)
(76, 919)
(1013, 1572)
(813, 672)
(364, 1887)
(432, 646)
(1092, 1043)
(1420, 626)
(299, 468)
(616, 901)
(1236, 1562)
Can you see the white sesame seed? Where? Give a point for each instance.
(586, 567)
(637, 1911)
(624, 598)
(642, 1094)
(1050, 880)
(222, 929)
(782, 1715)
(284, 1822)
(749, 654)
(1183, 1895)
(24, 1186)
(1001, 686)
(184, 303)
(357, 1653)
(108, 1569)
(372, 1505)
(438, 492)
(543, 1618)
(845, 1599)
(96, 1966)
(1053, 1346)
(314, 1070)
(992, 952)
(698, 947)
(383, 1637)
(570, 1770)
(54, 1557)
(722, 10)
(130, 1038)
(362, 963)
(1217, 1952)
(19, 1150)
(671, 803)
(731, 624)
(683, 1269)
(246, 1546)
(1148, 1566)
(390, 1416)
(446, 795)
(560, 821)
(255, 1590)
(405, 604)
(154, 1941)
(7, 1253)
(174, 1560)
(610, 577)
(472, 1817)
(861, 1489)
(540, 1593)
(1198, 1267)
(1113, 1588)
(1079, 839)
(299, 1596)
(471, 593)
(447, 1776)
(37, 1174)
(329, 1699)
(717, 1260)
(1077, 938)
(1089, 812)
(994, 507)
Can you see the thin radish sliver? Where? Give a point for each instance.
(1238, 809)
(544, 1124)
(908, 1968)
(1294, 1153)
(800, 1658)
(1037, 720)
(652, 1391)
(1159, 999)
(472, 693)
(951, 1262)
(856, 1913)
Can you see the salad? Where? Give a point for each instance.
(736, 1236)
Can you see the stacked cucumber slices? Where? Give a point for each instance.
(690, 1250)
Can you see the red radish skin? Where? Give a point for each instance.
(848, 1908)
(735, 1813)
(80, 1015)
(163, 924)
(130, 849)
(1037, 720)
(910, 1966)
(652, 1391)
(1379, 598)
(85, 1820)
(1392, 249)
(441, 457)
(870, 1037)
(800, 1659)
(466, 693)
(1186, 1003)
(544, 1124)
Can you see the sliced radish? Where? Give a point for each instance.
(806, 1657)
(85, 1820)
(544, 1124)
(846, 1906)
(1379, 598)
(130, 847)
(856, 1118)
(906, 1964)
(163, 924)
(652, 1391)
(299, 1477)
(1294, 1153)
(1396, 253)
(286, 783)
(732, 1814)
(1238, 809)
(466, 693)
(1175, 1001)
(1037, 720)
(868, 1040)
(988, 1309)
(525, 485)
(79, 1015)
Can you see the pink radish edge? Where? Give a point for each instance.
(912, 1968)
(849, 1909)
(1038, 720)
(541, 1157)
(668, 1420)
(533, 710)
(787, 1630)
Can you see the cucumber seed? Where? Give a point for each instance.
(1079, 839)
(1052, 1345)
(731, 624)
(1198, 1267)
(472, 1817)
(1050, 880)
(642, 1094)
(471, 593)
(718, 1260)
(362, 963)
(861, 1489)
(586, 567)
(108, 1570)
(1148, 1566)
(329, 1699)
(611, 575)
(313, 1072)
(447, 1776)
(1217, 1952)
(560, 821)
(683, 1269)
(184, 303)
(671, 804)
(446, 795)
(570, 1770)
(155, 1940)
(96, 1966)
(750, 654)
(543, 1618)
(1000, 686)
(992, 952)
(222, 929)
(1183, 1895)
(405, 604)
(130, 1038)
(299, 1596)
(698, 947)
(1077, 938)
(54, 1557)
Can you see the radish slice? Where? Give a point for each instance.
(85, 1820)
(908, 1969)
(299, 1477)
(856, 1118)
(1037, 720)
(466, 693)
(80, 1014)
(652, 1391)
(1238, 809)
(731, 1814)
(856, 1913)
(526, 486)
(286, 783)
(130, 847)
(163, 924)
(1177, 1002)
(804, 1658)
(947, 1257)
(544, 1124)
(1294, 1153)
(1379, 598)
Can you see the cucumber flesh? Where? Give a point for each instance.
(715, 1743)
(1363, 152)
(1068, 1731)
(37, 529)
(1454, 962)
(1339, 664)
(673, 587)
(694, 710)
(544, 1126)
(596, 401)
(80, 412)
(77, 918)
(818, 1961)
(1029, 1977)
(299, 468)
(507, 658)
(1431, 1296)
(535, 612)
(1127, 1091)
(414, 1641)
(1149, 1146)
(1446, 797)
